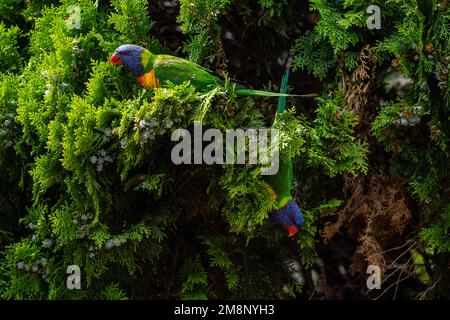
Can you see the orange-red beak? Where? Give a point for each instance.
(292, 230)
(115, 60)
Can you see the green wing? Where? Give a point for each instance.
(281, 182)
(178, 70)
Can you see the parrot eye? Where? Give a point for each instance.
(126, 53)
(291, 217)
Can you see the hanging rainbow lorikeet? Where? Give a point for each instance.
(152, 71)
(288, 212)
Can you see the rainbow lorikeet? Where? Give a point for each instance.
(288, 212)
(153, 70)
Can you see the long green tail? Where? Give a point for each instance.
(282, 99)
(251, 92)
(283, 90)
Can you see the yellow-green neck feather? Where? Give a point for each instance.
(147, 60)
(283, 201)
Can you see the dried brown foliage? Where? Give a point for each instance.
(360, 83)
(375, 211)
(376, 208)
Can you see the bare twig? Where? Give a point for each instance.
(422, 295)
(393, 284)
(399, 247)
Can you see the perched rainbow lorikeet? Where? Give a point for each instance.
(152, 71)
(288, 212)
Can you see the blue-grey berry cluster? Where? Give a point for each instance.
(6, 125)
(54, 83)
(82, 221)
(47, 243)
(38, 266)
(441, 66)
(114, 242)
(411, 119)
(100, 159)
(149, 129)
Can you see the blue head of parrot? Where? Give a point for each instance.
(290, 216)
(130, 56)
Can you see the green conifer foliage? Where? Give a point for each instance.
(87, 177)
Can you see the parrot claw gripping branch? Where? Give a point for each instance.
(152, 71)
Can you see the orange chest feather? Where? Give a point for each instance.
(149, 80)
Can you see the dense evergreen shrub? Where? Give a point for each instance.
(87, 177)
